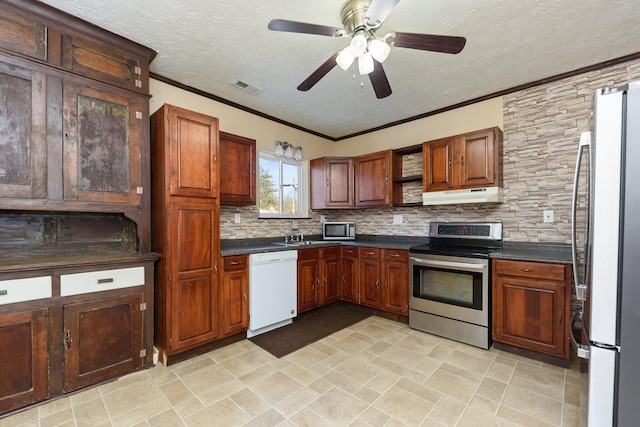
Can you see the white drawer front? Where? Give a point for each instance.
(28, 289)
(103, 280)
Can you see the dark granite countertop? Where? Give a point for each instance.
(229, 247)
(543, 252)
(558, 253)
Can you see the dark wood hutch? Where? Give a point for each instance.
(76, 267)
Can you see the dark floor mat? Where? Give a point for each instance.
(310, 327)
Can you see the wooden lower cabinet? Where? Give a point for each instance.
(70, 327)
(24, 356)
(350, 274)
(318, 277)
(234, 295)
(531, 309)
(384, 279)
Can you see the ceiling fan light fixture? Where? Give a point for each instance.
(345, 58)
(379, 50)
(358, 45)
(365, 63)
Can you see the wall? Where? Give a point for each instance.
(541, 125)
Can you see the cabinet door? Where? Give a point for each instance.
(102, 339)
(478, 159)
(101, 145)
(23, 109)
(308, 279)
(238, 167)
(395, 292)
(193, 140)
(23, 35)
(193, 274)
(24, 359)
(235, 288)
(530, 313)
(330, 275)
(372, 183)
(438, 165)
(370, 277)
(350, 275)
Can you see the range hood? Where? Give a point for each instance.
(467, 195)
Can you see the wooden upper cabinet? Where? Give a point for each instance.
(332, 183)
(238, 167)
(101, 145)
(373, 182)
(463, 161)
(78, 48)
(438, 164)
(22, 34)
(192, 142)
(23, 108)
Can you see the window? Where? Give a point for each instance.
(282, 187)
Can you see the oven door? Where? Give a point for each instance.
(450, 286)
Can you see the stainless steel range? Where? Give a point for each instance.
(450, 281)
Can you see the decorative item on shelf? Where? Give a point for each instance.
(283, 148)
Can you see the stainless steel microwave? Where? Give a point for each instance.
(339, 230)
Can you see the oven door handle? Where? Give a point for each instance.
(447, 264)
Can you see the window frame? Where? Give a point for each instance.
(303, 186)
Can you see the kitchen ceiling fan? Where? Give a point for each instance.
(361, 19)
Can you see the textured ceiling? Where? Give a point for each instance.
(206, 44)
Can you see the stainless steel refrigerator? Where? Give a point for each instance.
(607, 266)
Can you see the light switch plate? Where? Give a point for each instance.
(236, 218)
(547, 216)
(397, 219)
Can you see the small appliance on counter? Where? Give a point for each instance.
(450, 281)
(339, 230)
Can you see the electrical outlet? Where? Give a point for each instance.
(397, 219)
(236, 218)
(323, 219)
(547, 216)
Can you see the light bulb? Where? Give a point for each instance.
(345, 58)
(379, 50)
(279, 151)
(298, 155)
(288, 153)
(365, 64)
(358, 45)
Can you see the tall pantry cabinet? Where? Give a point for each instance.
(185, 228)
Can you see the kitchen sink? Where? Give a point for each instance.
(299, 243)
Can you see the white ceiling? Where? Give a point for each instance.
(206, 44)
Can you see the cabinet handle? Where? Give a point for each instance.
(386, 284)
(107, 280)
(244, 296)
(344, 277)
(236, 262)
(560, 317)
(67, 339)
(325, 282)
(395, 255)
(369, 253)
(377, 284)
(462, 161)
(527, 270)
(3, 292)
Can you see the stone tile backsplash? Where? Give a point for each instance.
(542, 127)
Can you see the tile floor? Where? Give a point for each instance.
(375, 373)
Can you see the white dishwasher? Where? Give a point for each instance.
(273, 299)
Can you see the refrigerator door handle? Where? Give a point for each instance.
(581, 289)
(582, 350)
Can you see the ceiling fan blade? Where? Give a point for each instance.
(378, 11)
(435, 43)
(318, 74)
(304, 28)
(379, 81)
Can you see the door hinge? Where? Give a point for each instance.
(223, 328)
(67, 339)
(143, 306)
(143, 352)
(170, 342)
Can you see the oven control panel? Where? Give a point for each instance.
(489, 230)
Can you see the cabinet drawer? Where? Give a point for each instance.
(237, 262)
(350, 251)
(373, 253)
(395, 255)
(331, 252)
(536, 270)
(28, 289)
(104, 280)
